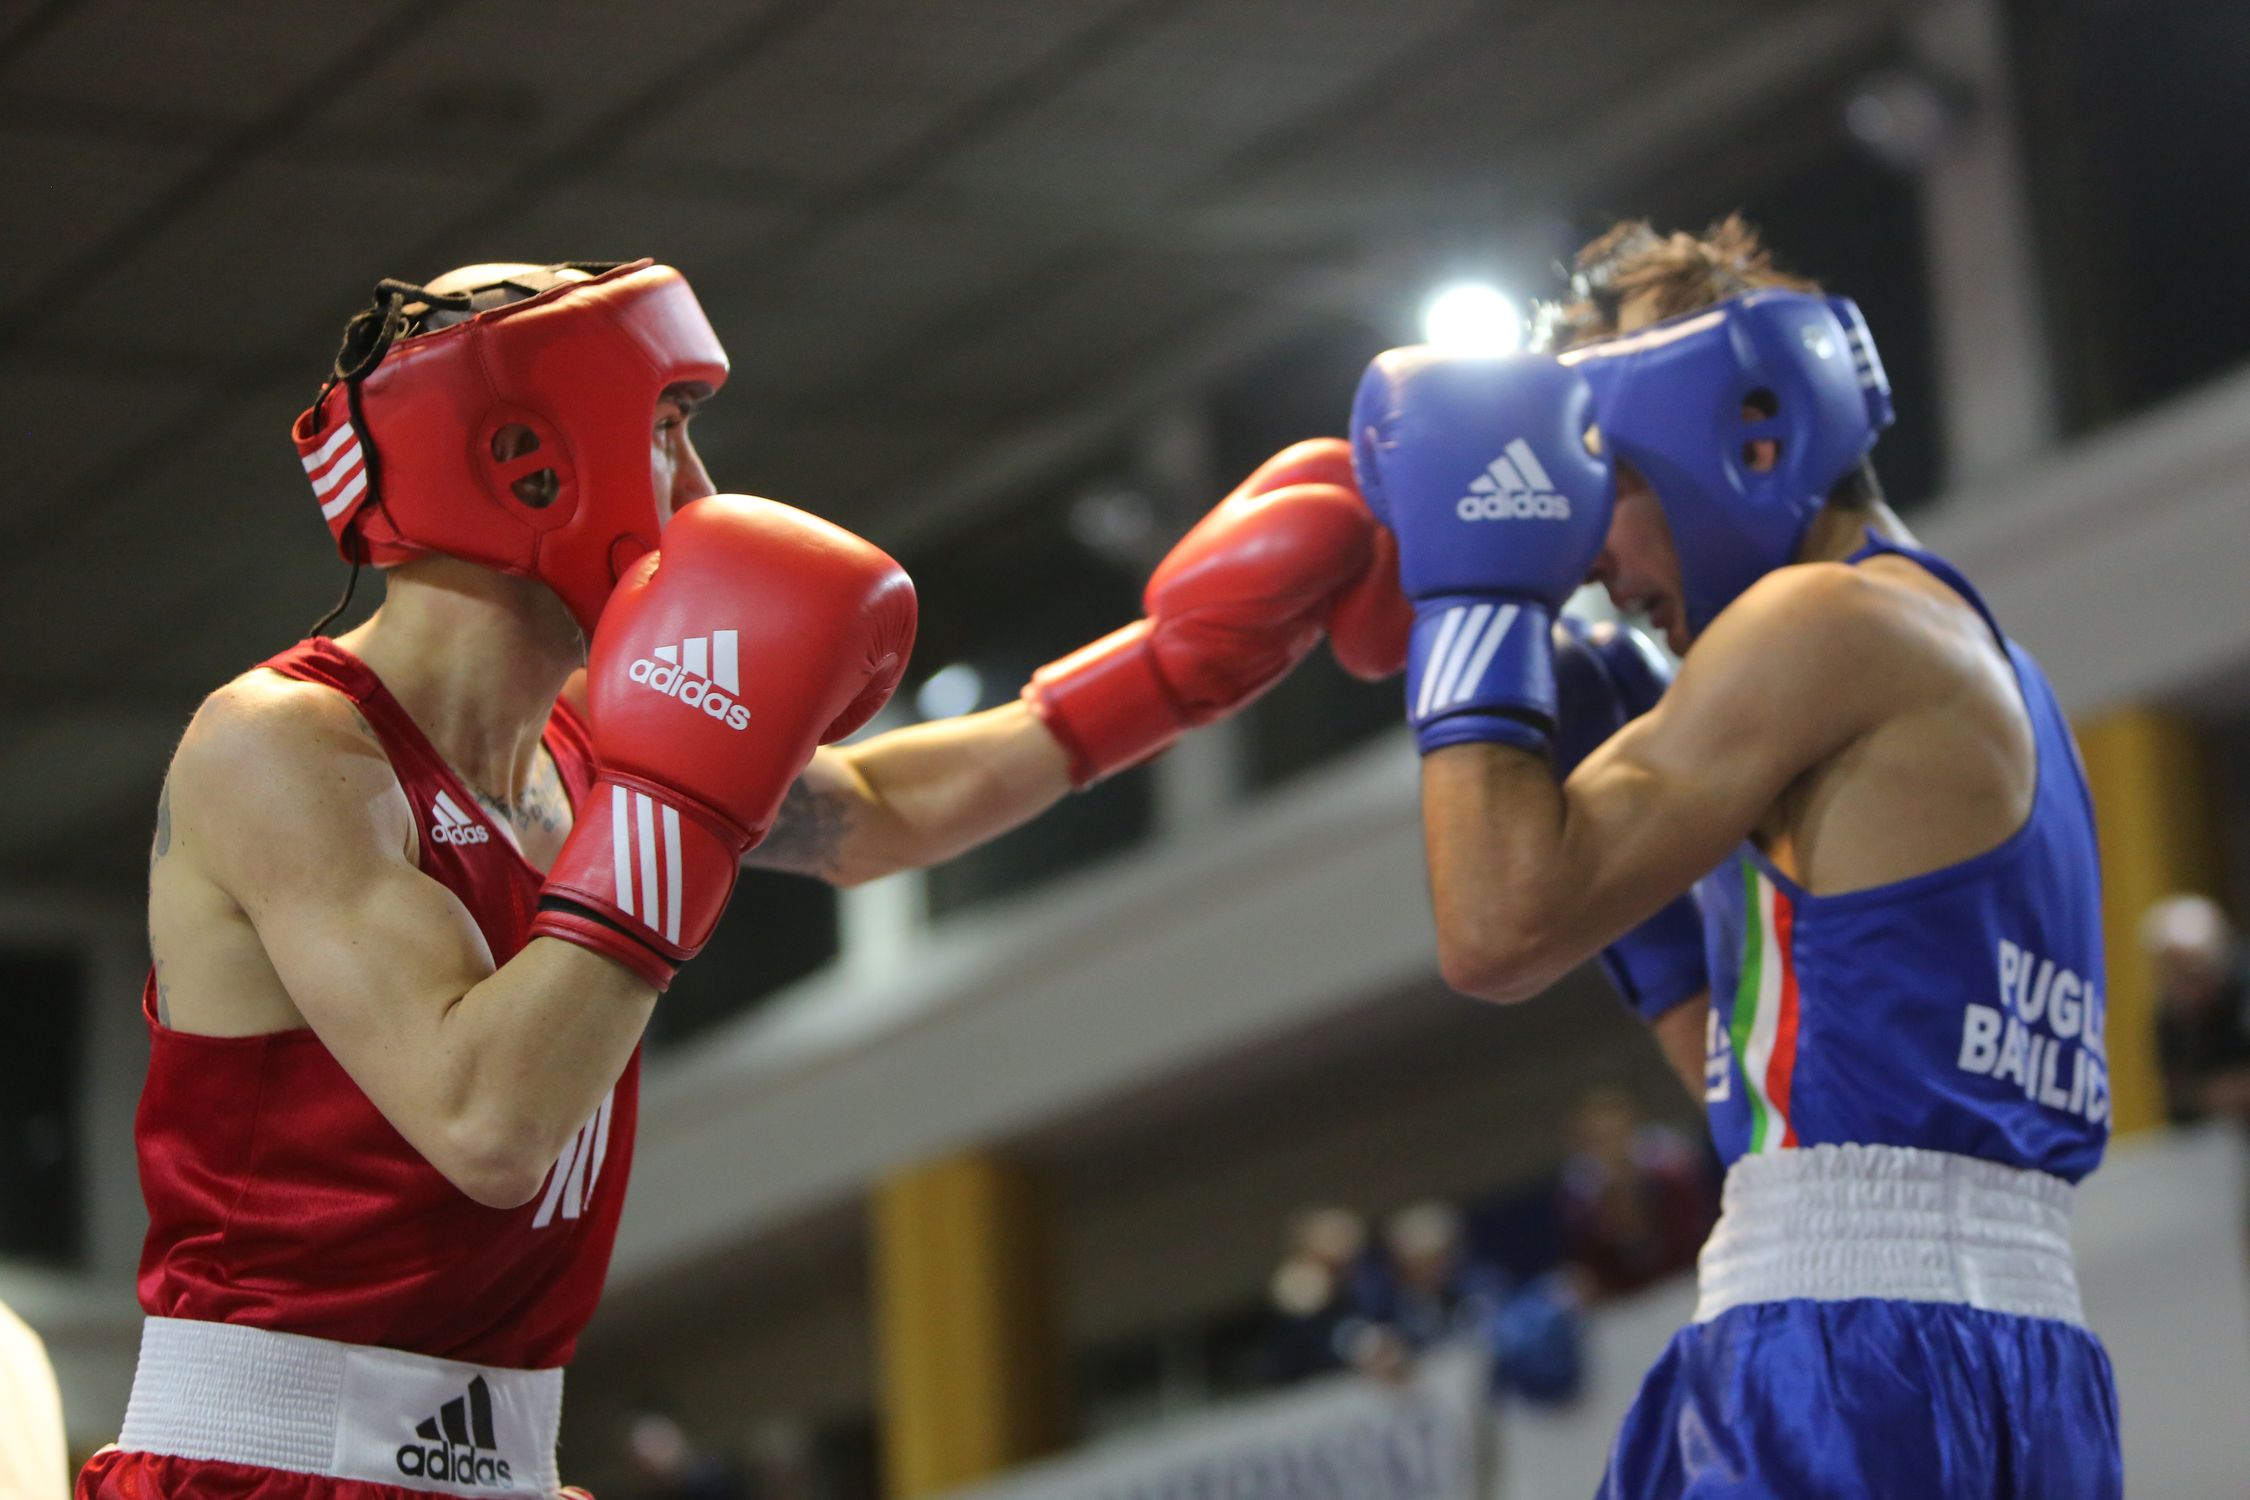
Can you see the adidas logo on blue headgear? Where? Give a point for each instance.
(1682, 401)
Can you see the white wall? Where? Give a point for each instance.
(2162, 1236)
(90, 1321)
(1014, 1015)
(113, 945)
(2119, 561)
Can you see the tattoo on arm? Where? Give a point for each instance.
(158, 847)
(162, 844)
(808, 833)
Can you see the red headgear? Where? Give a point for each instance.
(404, 444)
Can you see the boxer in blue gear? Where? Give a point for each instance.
(1875, 801)
(1487, 583)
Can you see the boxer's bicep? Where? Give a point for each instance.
(1788, 677)
(293, 812)
(1528, 881)
(375, 975)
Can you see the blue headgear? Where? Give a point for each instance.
(1682, 400)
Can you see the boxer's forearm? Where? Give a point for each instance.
(1679, 1034)
(1492, 829)
(1529, 879)
(524, 1059)
(916, 797)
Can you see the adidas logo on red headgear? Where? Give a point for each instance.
(701, 672)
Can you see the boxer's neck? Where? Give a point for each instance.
(476, 658)
(1837, 531)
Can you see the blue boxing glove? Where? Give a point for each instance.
(1606, 676)
(1481, 468)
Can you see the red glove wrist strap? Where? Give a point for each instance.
(644, 870)
(595, 933)
(1106, 705)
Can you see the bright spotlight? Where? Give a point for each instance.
(950, 692)
(1474, 318)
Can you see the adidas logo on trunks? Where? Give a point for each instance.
(1513, 487)
(701, 672)
(453, 826)
(457, 1442)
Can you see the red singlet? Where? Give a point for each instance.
(279, 1196)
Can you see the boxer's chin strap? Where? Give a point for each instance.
(320, 626)
(391, 298)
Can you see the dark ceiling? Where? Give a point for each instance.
(949, 243)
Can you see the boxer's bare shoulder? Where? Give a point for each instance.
(276, 785)
(265, 754)
(1804, 663)
(1919, 747)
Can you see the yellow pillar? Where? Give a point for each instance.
(969, 1354)
(2159, 835)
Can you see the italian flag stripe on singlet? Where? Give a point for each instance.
(1765, 1011)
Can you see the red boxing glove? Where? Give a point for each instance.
(1373, 620)
(756, 634)
(1240, 600)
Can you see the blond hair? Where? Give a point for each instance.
(1663, 275)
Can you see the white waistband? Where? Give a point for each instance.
(284, 1401)
(1835, 1222)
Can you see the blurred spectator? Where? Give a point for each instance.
(1319, 1295)
(2202, 1009)
(1436, 1292)
(666, 1465)
(1433, 1290)
(31, 1425)
(1636, 1199)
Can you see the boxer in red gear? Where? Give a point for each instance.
(376, 1230)
(410, 915)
